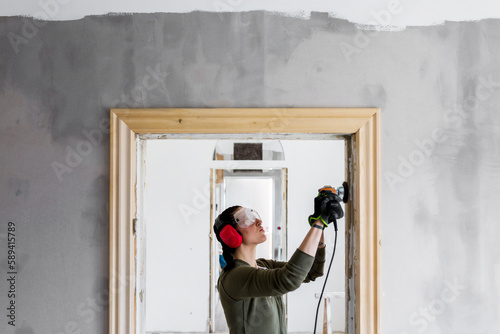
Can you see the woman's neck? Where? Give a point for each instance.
(246, 253)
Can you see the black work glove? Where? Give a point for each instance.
(327, 208)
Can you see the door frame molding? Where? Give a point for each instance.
(359, 126)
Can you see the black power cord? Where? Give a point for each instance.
(345, 199)
(326, 278)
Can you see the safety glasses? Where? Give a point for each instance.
(246, 217)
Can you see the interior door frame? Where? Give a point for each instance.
(361, 130)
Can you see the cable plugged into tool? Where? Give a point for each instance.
(343, 193)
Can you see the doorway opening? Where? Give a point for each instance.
(184, 189)
(360, 129)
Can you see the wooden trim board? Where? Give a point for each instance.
(360, 125)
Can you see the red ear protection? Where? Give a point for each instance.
(231, 236)
(226, 232)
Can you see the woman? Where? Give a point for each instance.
(251, 289)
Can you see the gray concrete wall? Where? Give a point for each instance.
(438, 88)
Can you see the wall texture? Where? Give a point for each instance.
(438, 88)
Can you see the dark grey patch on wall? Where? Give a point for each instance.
(59, 82)
(96, 211)
(374, 95)
(18, 187)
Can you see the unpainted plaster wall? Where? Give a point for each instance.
(437, 87)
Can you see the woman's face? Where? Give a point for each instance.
(253, 234)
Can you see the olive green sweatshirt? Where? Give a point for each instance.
(252, 297)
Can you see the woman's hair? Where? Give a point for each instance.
(227, 252)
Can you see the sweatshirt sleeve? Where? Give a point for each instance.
(246, 282)
(318, 266)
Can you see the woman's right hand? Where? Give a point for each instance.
(327, 208)
(322, 209)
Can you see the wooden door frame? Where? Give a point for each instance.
(361, 128)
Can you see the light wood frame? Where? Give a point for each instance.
(361, 127)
